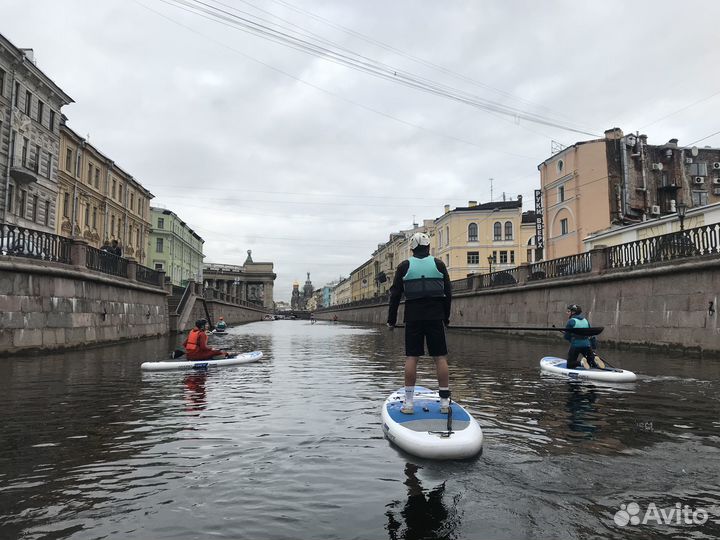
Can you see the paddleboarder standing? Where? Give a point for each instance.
(425, 282)
(578, 344)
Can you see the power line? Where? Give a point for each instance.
(360, 63)
(703, 138)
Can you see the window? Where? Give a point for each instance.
(2, 82)
(47, 213)
(512, 257)
(40, 111)
(34, 208)
(137, 237)
(159, 245)
(472, 232)
(97, 178)
(51, 120)
(11, 197)
(698, 169)
(77, 164)
(36, 166)
(28, 102)
(497, 231)
(508, 230)
(132, 202)
(440, 238)
(114, 188)
(49, 165)
(159, 266)
(473, 257)
(447, 236)
(699, 198)
(22, 207)
(503, 257)
(561, 194)
(66, 205)
(26, 142)
(90, 170)
(494, 258)
(447, 260)
(161, 223)
(94, 221)
(564, 226)
(560, 165)
(112, 225)
(68, 160)
(87, 215)
(17, 94)
(529, 256)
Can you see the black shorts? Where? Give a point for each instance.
(418, 332)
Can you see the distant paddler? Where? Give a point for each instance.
(221, 326)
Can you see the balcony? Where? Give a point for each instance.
(24, 171)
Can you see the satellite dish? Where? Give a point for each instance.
(694, 151)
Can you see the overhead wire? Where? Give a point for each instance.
(360, 63)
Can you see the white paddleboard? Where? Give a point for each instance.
(425, 432)
(558, 366)
(245, 358)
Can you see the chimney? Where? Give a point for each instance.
(520, 199)
(672, 142)
(29, 54)
(447, 208)
(613, 134)
(472, 204)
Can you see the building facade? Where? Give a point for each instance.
(480, 238)
(174, 247)
(99, 201)
(617, 181)
(30, 110)
(252, 282)
(341, 293)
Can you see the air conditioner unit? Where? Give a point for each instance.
(688, 160)
(699, 180)
(716, 180)
(657, 166)
(655, 210)
(716, 191)
(716, 165)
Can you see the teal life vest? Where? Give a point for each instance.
(579, 341)
(423, 279)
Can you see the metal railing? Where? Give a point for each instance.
(147, 275)
(464, 284)
(699, 241)
(105, 262)
(564, 266)
(21, 242)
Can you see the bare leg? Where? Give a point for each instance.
(443, 374)
(411, 370)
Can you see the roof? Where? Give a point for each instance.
(485, 207)
(529, 217)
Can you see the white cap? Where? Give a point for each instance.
(419, 239)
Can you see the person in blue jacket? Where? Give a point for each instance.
(578, 344)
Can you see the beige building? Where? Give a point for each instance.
(479, 238)
(620, 180)
(252, 282)
(30, 110)
(362, 282)
(341, 293)
(99, 201)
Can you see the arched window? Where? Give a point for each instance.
(508, 230)
(497, 231)
(472, 232)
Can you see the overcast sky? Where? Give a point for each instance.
(311, 164)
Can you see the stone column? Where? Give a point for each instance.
(161, 277)
(598, 259)
(78, 252)
(132, 268)
(524, 273)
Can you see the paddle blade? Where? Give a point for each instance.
(594, 331)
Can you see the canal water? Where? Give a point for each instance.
(292, 447)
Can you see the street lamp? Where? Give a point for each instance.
(681, 209)
(490, 262)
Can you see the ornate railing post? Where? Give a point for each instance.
(132, 265)
(78, 252)
(523, 273)
(598, 259)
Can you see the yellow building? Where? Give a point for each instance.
(99, 201)
(466, 237)
(362, 282)
(342, 292)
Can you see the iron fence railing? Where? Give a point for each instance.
(464, 284)
(703, 240)
(147, 275)
(21, 242)
(105, 262)
(564, 266)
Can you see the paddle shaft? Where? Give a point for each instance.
(577, 331)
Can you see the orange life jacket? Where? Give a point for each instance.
(192, 344)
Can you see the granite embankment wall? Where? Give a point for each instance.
(46, 306)
(673, 306)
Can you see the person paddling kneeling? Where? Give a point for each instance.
(196, 344)
(578, 344)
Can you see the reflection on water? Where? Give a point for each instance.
(292, 446)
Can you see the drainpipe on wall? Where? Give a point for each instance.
(625, 173)
(644, 181)
(11, 148)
